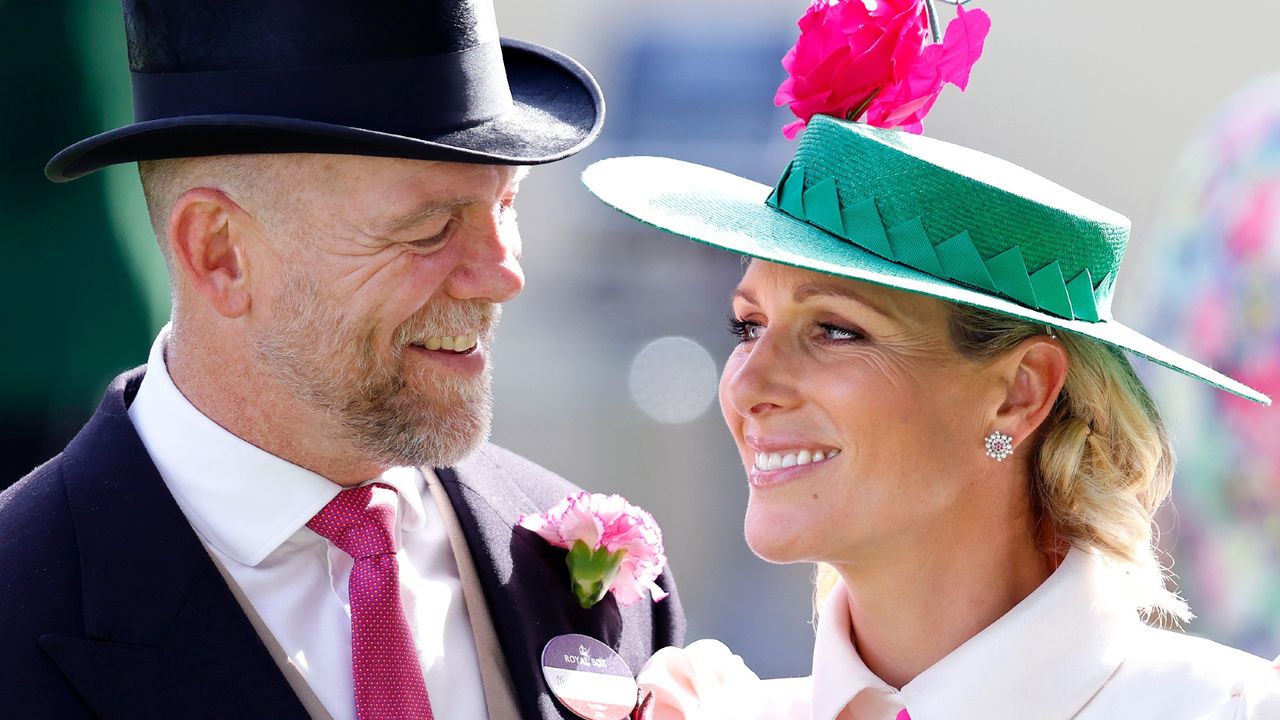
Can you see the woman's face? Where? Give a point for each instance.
(860, 427)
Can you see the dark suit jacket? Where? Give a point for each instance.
(110, 606)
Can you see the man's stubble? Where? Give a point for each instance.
(330, 360)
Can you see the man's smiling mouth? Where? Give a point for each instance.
(451, 343)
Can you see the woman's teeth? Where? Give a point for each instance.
(778, 460)
(454, 343)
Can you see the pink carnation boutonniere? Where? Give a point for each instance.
(613, 546)
(872, 60)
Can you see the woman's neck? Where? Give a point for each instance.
(911, 607)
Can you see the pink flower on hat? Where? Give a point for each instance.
(871, 58)
(613, 546)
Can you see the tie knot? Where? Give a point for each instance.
(359, 521)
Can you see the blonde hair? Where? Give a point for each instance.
(1102, 463)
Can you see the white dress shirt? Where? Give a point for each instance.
(250, 509)
(1071, 649)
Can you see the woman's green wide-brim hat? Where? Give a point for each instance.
(913, 213)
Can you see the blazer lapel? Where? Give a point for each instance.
(525, 580)
(164, 636)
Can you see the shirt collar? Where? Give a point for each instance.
(1044, 658)
(839, 675)
(409, 484)
(241, 499)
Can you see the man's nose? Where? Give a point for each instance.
(489, 268)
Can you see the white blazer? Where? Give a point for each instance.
(1069, 650)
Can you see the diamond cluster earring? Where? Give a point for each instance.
(999, 445)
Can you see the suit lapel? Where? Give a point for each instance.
(164, 636)
(499, 692)
(525, 580)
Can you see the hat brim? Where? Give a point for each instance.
(558, 109)
(723, 210)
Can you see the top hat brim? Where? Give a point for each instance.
(557, 110)
(725, 211)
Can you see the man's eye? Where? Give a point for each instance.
(428, 243)
(507, 208)
(435, 241)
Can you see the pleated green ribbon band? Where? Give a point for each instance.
(997, 224)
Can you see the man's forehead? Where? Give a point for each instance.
(333, 178)
(416, 194)
(399, 165)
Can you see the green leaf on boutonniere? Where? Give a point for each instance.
(592, 572)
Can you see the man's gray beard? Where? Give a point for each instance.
(324, 359)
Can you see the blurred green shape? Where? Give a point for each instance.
(81, 283)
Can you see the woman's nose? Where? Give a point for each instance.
(759, 380)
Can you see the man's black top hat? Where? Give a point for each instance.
(425, 79)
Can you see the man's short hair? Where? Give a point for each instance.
(252, 179)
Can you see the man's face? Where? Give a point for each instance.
(383, 296)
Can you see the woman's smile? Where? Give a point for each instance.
(777, 474)
(778, 460)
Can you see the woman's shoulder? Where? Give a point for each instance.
(1200, 657)
(707, 681)
(1194, 672)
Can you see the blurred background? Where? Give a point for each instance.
(606, 365)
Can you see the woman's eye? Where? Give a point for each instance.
(744, 330)
(835, 333)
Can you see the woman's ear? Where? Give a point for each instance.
(1033, 376)
(208, 244)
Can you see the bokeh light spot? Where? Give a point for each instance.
(673, 380)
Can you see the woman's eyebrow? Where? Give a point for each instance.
(809, 290)
(743, 295)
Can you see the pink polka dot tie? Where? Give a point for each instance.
(903, 714)
(384, 662)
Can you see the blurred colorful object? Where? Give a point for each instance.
(1212, 289)
(869, 59)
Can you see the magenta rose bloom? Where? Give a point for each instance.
(852, 61)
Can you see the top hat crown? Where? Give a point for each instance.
(424, 79)
(165, 36)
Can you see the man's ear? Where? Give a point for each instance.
(1033, 376)
(207, 238)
